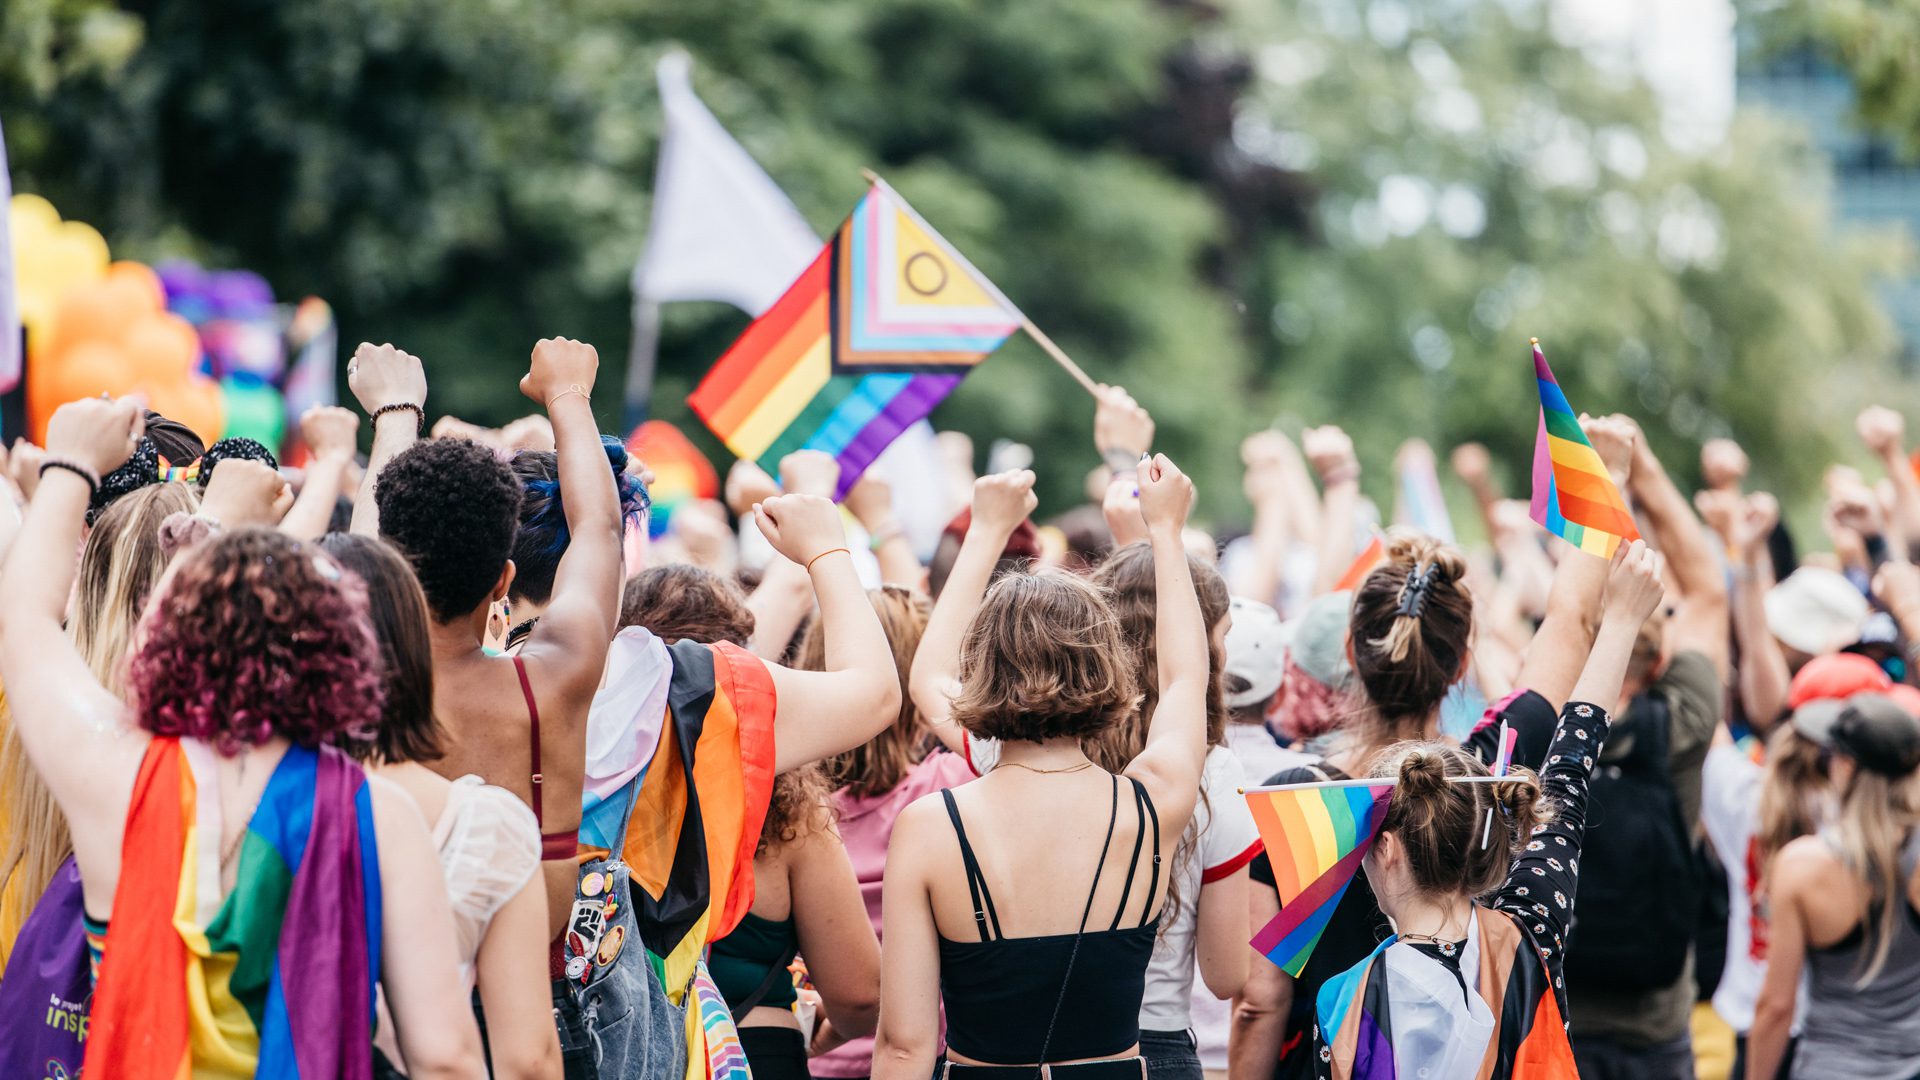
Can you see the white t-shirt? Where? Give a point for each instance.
(1228, 840)
(1210, 1018)
(1730, 811)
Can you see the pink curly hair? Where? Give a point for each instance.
(257, 635)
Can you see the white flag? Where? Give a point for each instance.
(721, 228)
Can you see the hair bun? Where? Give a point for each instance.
(1422, 773)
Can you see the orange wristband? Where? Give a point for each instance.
(823, 555)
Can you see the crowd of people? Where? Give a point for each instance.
(429, 762)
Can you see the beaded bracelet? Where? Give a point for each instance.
(92, 478)
(420, 414)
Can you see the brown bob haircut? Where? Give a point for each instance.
(1044, 659)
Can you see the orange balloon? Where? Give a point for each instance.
(89, 369)
(141, 276)
(193, 401)
(160, 348)
(98, 311)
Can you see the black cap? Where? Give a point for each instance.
(1878, 735)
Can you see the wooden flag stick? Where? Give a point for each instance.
(1039, 336)
(1059, 356)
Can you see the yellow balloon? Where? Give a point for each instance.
(89, 247)
(34, 210)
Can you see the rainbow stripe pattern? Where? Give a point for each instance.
(1573, 497)
(276, 980)
(681, 473)
(711, 1023)
(879, 329)
(1316, 835)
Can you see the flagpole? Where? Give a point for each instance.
(1384, 781)
(1038, 335)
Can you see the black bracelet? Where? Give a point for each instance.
(92, 478)
(420, 414)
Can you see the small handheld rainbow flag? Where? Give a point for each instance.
(1573, 497)
(1316, 835)
(878, 330)
(1363, 565)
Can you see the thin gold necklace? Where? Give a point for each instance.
(1045, 772)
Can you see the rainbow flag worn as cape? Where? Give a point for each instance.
(1353, 1015)
(680, 737)
(879, 328)
(1316, 835)
(276, 980)
(1573, 497)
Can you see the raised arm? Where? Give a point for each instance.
(821, 713)
(1330, 452)
(392, 387)
(572, 635)
(1176, 748)
(784, 597)
(1559, 649)
(1762, 675)
(329, 432)
(69, 725)
(1884, 431)
(1267, 486)
(871, 503)
(1000, 503)
(1700, 610)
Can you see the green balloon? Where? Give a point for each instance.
(254, 411)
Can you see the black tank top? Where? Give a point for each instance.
(1058, 997)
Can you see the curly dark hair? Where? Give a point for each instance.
(802, 805)
(678, 601)
(257, 635)
(543, 533)
(452, 509)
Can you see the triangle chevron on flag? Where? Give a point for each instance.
(1573, 496)
(1316, 836)
(876, 331)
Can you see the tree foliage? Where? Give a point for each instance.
(1347, 210)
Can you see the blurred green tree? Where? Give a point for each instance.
(1248, 213)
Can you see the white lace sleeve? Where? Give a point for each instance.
(490, 851)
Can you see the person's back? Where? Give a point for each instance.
(1861, 1021)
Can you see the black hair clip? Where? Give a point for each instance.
(1413, 595)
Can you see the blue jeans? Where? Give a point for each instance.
(1170, 1055)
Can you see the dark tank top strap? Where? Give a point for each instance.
(976, 881)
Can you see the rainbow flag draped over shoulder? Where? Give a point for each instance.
(1573, 497)
(681, 739)
(879, 328)
(1316, 835)
(276, 980)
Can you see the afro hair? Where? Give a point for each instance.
(453, 508)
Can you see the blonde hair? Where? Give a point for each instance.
(1875, 816)
(1795, 786)
(119, 566)
(878, 765)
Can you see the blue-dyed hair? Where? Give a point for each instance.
(543, 519)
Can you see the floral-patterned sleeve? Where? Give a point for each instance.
(1540, 887)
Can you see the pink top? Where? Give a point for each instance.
(866, 827)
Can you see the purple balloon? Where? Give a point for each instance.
(236, 292)
(181, 278)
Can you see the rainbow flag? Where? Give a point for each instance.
(681, 473)
(1316, 835)
(879, 329)
(1365, 563)
(1573, 497)
(193, 984)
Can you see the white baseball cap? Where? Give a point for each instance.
(1816, 611)
(1256, 651)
